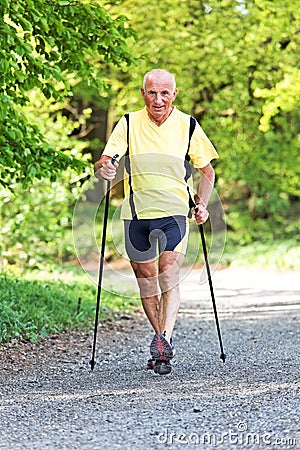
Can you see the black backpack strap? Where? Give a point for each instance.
(187, 156)
(128, 170)
(127, 120)
(191, 131)
(188, 171)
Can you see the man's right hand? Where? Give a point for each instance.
(105, 169)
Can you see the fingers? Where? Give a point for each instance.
(201, 214)
(107, 170)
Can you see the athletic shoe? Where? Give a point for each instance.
(160, 348)
(162, 367)
(159, 366)
(151, 363)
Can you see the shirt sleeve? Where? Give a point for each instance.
(201, 149)
(117, 142)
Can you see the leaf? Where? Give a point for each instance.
(44, 24)
(26, 25)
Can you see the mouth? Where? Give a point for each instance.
(158, 108)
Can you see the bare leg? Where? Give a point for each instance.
(169, 269)
(147, 277)
(161, 309)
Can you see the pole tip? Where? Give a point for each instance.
(223, 357)
(92, 364)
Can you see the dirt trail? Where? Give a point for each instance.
(49, 399)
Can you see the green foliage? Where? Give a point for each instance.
(35, 219)
(30, 309)
(36, 224)
(25, 154)
(42, 43)
(55, 133)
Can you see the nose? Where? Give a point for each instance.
(158, 97)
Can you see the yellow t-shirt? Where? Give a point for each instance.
(156, 157)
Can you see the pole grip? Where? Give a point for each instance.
(114, 159)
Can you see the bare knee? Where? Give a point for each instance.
(146, 276)
(169, 270)
(168, 279)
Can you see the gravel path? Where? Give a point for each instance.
(49, 399)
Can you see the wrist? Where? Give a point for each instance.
(97, 166)
(201, 203)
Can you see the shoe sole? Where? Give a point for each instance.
(160, 348)
(162, 368)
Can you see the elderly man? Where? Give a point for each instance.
(157, 142)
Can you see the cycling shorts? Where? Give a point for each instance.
(144, 236)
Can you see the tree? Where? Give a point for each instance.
(44, 44)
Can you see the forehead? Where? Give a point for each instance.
(159, 82)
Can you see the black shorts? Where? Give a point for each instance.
(143, 235)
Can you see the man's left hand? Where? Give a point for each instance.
(201, 214)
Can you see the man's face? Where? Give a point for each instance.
(158, 95)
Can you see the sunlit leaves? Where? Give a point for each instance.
(284, 96)
(41, 43)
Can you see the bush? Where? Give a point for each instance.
(36, 225)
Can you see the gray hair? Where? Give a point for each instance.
(159, 70)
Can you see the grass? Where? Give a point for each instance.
(276, 254)
(34, 308)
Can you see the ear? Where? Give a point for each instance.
(175, 93)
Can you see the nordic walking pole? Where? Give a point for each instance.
(92, 361)
(201, 229)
